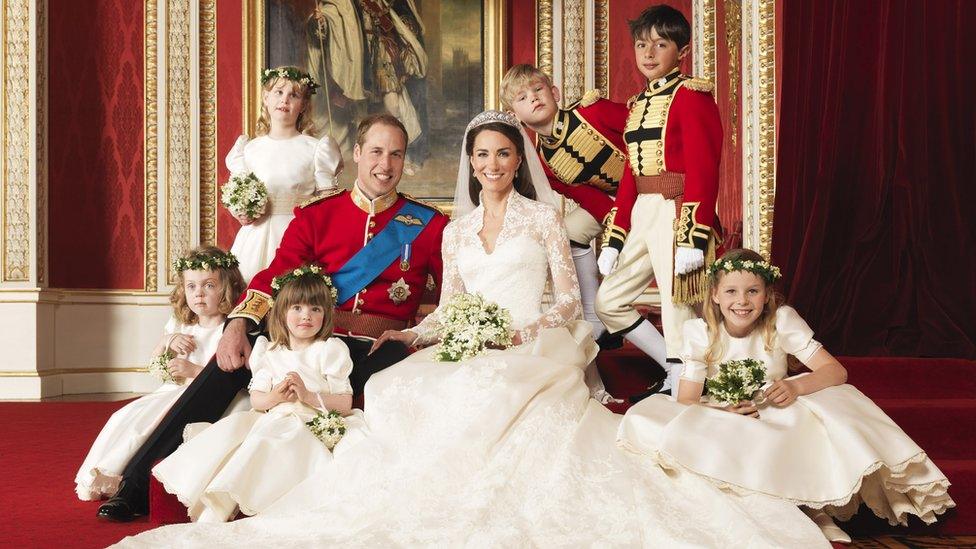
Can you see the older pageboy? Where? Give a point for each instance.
(674, 139)
(583, 152)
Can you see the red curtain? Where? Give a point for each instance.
(875, 216)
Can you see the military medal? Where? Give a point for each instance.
(405, 258)
(399, 291)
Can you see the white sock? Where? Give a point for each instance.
(589, 281)
(646, 337)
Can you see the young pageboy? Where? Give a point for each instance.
(583, 152)
(673, 139)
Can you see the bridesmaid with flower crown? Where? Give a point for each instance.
(293, 165)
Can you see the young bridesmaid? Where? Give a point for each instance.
(250, 459)
(209, 285)
(810, 439)
(293, 165)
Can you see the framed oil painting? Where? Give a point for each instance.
(432, 63)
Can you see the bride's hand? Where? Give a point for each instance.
(243, 219)
(745, 408)
(406, 337)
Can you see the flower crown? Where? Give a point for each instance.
(293, 74)
(762, 269)
(493, 116)
(206, 262)
(278, 282)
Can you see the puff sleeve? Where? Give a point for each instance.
(261, 377)
(328, 164)
(335, 365)
(794, 335)
(235, 158)
(695, 335)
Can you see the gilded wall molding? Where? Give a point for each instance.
(601, 46)
(252, 48)
(17, 139)
(179, 175)
(733, 38)
(151, 143)
(573, 60)
(41, 154)
(495, 47)
(759, 120)
(703, 31)
(543, 38)
(208, 121)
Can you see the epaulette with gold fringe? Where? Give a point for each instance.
(698, 84)
(423, 203)
(590, 97)
(318, 197)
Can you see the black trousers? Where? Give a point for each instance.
(209, 395)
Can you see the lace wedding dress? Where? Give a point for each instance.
(503, 450)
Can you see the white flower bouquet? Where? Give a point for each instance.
(737, 380)
(245, 194)
(159, 369)
(469, 323)
(329, 428)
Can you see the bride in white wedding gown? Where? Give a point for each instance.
(506, 449)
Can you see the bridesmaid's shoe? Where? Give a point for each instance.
(128, 503)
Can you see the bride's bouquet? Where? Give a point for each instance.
(737, 380)
(328, 428)
(245, 194)
(159, 369)
(469, 323)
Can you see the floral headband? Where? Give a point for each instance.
(493, 116)
(762, 269)
(206, 262)
(279, 282)
(293, 74)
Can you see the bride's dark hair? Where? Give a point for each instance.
(523, 181)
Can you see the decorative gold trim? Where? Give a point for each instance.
(733, 36)
(64, 371)
(208, 121)
(705, 26)
(573, 60)
(543, 36)
(151, 136)
(495, 61)
(41, 130)
(759, 120)
(767, 123)
(178, 133)
(601, 47)
(17, 128)
(252, 46)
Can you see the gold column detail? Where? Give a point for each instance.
(40, 129)
(253, 61)
(495, 60)
(208, 121)
(574, 50)
(543, 38)
(151, 128)
(601, 48)
(733, 36)
(704, 47)
(17, 130)
(759, 132)
(178, 128)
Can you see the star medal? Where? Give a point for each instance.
(405, 257)
(399, 291)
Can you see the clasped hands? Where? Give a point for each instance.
(292, 389)
(781, 394)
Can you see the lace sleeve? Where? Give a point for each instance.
(428, 331)
(565, 287)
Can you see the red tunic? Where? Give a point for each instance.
(329, 232)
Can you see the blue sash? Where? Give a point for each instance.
(384, 248)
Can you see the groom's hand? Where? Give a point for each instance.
(233, 349)
(406, 337)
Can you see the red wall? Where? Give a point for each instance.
(95, 141)
(229, 107)
(521, 32)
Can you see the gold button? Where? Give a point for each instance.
(370, 235)
(372, 224)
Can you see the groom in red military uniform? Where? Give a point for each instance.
(380, 248)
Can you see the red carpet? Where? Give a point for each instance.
(42, 445)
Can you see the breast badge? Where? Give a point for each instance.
(399, 291)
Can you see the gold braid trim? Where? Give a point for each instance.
(691, 288)
(256, 304)
(698, 84)
(590, 97)
(613, 235)
(316, 198)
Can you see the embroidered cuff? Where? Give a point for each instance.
(687, 232)
(613, 235)
(256, 304)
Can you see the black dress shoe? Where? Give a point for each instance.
(128, 503)
(609, 342)
(654, 389)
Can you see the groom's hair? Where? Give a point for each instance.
(382, 118)
(523, 181)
